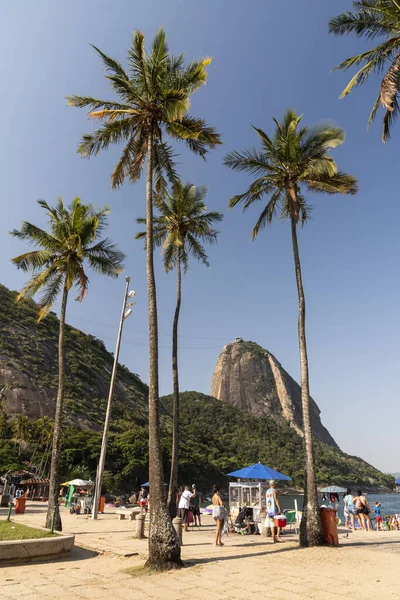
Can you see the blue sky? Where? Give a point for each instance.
(267, 56)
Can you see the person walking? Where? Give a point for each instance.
(350, 508)
(363, 511)
(218, 515)
(273, 508)
(184, 504)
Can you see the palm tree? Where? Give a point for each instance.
(154, 100)
(44, 430)
(22, 428)
(57, 264)
(180, 228)
(296, 158)
(371, 19)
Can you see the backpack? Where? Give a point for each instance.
(143, 494)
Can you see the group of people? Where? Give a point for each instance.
(188, 502)
(243, 520)
(358, 506)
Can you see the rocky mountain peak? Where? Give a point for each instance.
(252, 379)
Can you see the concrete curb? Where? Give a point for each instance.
(49, 548)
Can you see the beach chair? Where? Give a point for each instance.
(291, 519)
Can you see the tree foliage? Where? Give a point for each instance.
(182, 224)
(153, 95)
(62, 253)
(216, 438)
(374, 19)
(296, 159)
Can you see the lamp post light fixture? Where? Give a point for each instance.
(125, 314)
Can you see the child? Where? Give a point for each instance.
(378, 516)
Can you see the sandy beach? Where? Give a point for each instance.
(102, 566)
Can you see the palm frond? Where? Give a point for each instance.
(82, 283)
(196, 133)
(341, 183)
(195, 249)
(110, 133)
(164, 163)
(374, 111)
(33, 261)
(267, 214)
(255, 192)
(249, 160)
(194, 75)
(112, 66)
(35, 235)
(51, 291)
(131, 161)
(369, 22)
(94, 103)
(158, 60)
(138, 63)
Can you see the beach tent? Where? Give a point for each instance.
(258, 471)
(333, 489)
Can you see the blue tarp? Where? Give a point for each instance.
(258, 471)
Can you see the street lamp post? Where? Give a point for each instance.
(100, 468)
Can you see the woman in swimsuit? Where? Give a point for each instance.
(363, 511)
(218, 514)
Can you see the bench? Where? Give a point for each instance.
(126, 512)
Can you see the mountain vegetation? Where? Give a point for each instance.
(216, 438)
(29, 370)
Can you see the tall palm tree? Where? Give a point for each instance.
(154, 101)
(180, 228)
(372, 19)
(57, 264)
(295, 159)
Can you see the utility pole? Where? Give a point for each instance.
(100, 468)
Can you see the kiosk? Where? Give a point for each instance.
(250, 489)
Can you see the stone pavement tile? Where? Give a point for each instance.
(18, 590)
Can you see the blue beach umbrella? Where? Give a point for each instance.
(397, 482)
(258, 471)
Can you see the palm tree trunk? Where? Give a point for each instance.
(173, 480)
(164, 549)
(310, 528)
(55, 454)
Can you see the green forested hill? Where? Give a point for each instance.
(215, 437)
(29, 368)
(223, 438)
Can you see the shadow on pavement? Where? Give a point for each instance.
(199, 561)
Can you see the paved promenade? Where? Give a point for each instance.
(107, 564)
